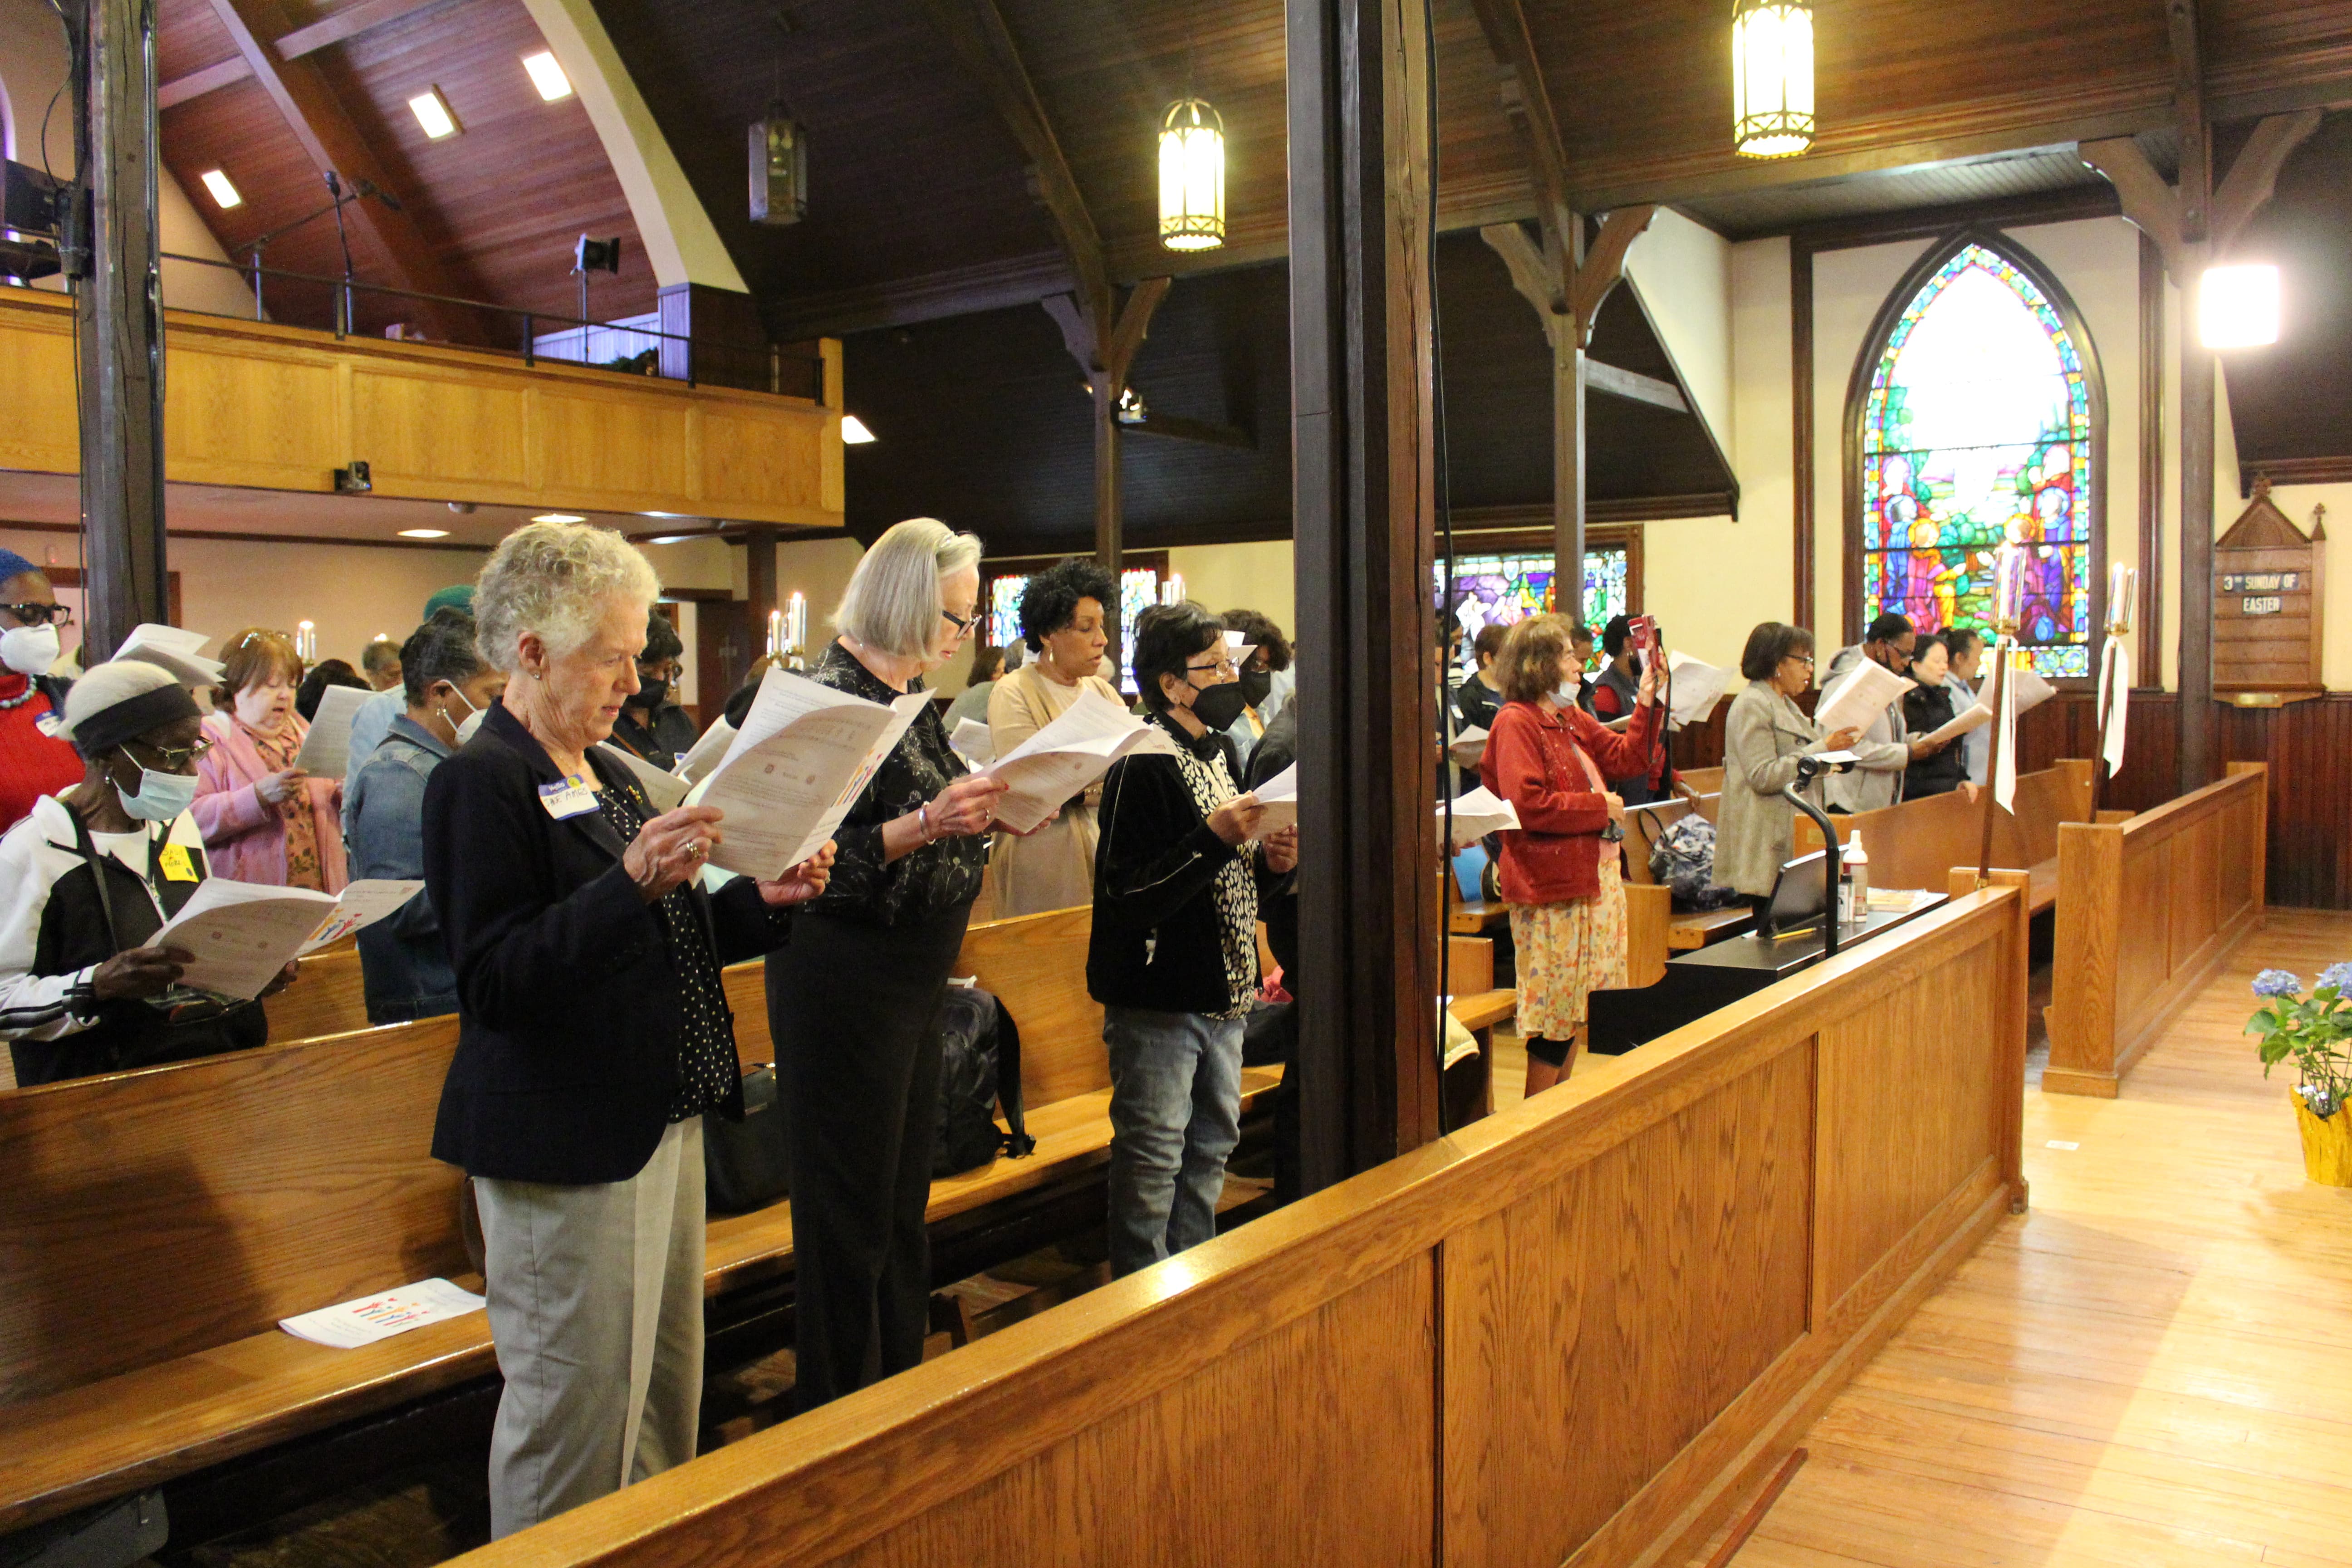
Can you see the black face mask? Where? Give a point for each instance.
(1257, 686)
(650, 695)
(1218, 706)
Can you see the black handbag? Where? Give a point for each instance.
(747, 1164)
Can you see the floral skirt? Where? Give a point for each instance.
(1565, 951)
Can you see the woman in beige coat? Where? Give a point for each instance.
(1764, 735)
(1065, 620)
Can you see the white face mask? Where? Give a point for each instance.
(29, 650)
(473, 719)
(1565, 694)
(161, 797)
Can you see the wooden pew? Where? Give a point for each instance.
(1644, 1280)
(155, 1226)
(326, 998)
(2148, 909)
(1916, 843)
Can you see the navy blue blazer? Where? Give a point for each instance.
(568, 1001)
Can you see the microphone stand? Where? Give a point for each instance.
(1808, 769)
(359, 189)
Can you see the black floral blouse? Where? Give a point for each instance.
(939, 876)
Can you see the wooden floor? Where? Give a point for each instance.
(2152, 1367)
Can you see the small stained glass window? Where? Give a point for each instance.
(1506, 588)
(1977, 428)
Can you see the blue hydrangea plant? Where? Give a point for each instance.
(2312, 1032)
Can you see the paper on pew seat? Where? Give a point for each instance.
(240, 934)
(1279, 796)
(327, 744)
(1478, 813)
(804, 755)
(703, 756)
(1859, 695)
(666, 791)
(1069, 755)
(1469, 747)
(973, 742)
(181, 652)
(350, 1324)
(1698, 688)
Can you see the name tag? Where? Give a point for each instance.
(176, 864)
(567, 799)
(49, 724)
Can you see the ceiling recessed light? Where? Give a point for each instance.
(423, 533)
(547, 75)
(853, 431)
(431, 111)
(222, 192)
(559, 517)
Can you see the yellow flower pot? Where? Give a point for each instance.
(2327, 1145)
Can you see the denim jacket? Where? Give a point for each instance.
(406, 971)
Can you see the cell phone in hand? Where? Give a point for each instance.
(1641, 633)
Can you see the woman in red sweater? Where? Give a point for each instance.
(1559, 874)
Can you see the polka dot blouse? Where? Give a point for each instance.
(707, 1069)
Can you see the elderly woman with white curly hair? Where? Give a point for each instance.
(593, 1029)
(854, 1002)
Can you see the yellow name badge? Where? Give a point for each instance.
(177, 866)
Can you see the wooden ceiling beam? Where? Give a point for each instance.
(197, 83)
(334, 144)
(351, 22)
(2189, 110)
(1528, 105)
(975, 31)
(2254, 178)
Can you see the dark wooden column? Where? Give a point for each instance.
(118, 312)
(759, 583)
(2194, 752)
(1364, 502)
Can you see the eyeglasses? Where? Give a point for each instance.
(175, 758)
(40, 614)
(1804, 659)
(1222, 667)
(964, 624)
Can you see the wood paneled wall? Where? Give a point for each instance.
(2307, 747)
(252, 404)
(2147, 910)
(1574, 1330)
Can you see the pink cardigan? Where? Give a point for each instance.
(245, 838)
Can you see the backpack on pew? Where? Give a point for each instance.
(1683, 860)
(980, 1070)
(747, 1164)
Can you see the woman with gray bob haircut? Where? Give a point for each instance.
(851, 1003)
(593, 1030)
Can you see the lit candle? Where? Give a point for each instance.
(2122, 583)
(775, 633)
(306, 641)
(1173, 593)
(2008, 587)
(796, 624)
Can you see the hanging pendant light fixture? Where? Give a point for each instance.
(1771, 78)
(1191, 176)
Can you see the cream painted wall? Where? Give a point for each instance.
(1683, 270)
(1762, 429)
(1258, 577)
(32, 66)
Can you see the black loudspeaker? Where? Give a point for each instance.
(596, 255)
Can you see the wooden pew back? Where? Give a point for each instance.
(328, 997)
(1918, 843)
(2149, 909)
(150, 1215)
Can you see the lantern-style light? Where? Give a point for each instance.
(1191, 176)
(2238, 307)
(779, 169)
(1771, 78)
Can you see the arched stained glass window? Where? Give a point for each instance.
(1978, 426)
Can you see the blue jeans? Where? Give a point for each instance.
(1175, 1115)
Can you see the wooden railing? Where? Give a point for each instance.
(2147, 910)
(1575, 1330)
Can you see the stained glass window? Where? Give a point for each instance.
(1506, 588)
(1977, 428)
(1139, 590)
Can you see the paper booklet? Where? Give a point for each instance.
(973, 742)
(1279, 795)
(350, 1324)
(1698, 688)
(1859, 695)
(666, 791)
(240, 934)
(1469, 747)
(2028, 689)
(1478, 814)
(704, 755)
(803, 756)
(1069, 755)
(178, 651)
(327, 745)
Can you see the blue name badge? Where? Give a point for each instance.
(566, 799)
(49, 724)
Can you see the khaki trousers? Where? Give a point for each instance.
(596, 1306)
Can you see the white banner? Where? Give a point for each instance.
(2114, 681)
(2004, 777)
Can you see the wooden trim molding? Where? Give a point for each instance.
(256, 539)
(2148, 616)
(2293, 471)
(1858, 383)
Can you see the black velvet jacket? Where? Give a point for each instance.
(569, 1016)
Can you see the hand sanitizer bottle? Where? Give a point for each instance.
(1854, 868)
